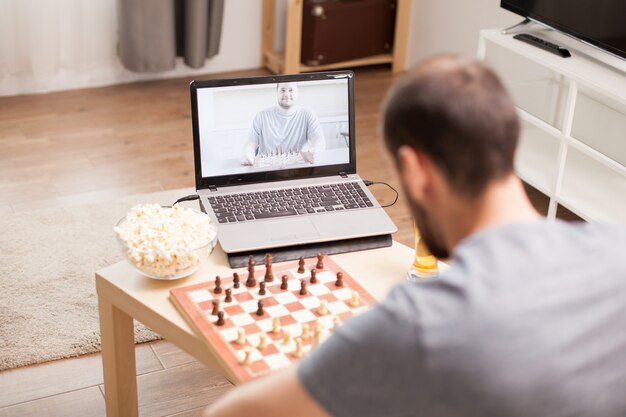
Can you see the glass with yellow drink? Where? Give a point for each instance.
(424, 263)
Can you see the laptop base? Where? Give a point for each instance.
(239, 260)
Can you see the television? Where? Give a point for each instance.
(601, 23)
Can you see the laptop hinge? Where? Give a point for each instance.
(343, 174)
(212, 188)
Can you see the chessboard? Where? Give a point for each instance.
(271, 316)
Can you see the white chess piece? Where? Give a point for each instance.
(241, 336)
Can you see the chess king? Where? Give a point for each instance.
(528, 321)
(285, 129)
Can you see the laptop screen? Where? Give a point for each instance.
(295, 124)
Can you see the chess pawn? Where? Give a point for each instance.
(336, 322)
(339, 282)
(303, 287)
(286, 337)
(262, 288)
(235, 280)
(306, 332)
(259, 311)
(218, 285)
(313, 276)
(283, 284)
(320, 261)
(247, 360)
(355, 300)
(323, 309)
(216, 307)
(220, 318)
(298, 352)
(301, 265)
(241, 336)
(262, 341)
(317, 336)
(275, 325)
(229, 295)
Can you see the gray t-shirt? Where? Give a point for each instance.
(530, 321)
(276, 132)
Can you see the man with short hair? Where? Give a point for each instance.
(285, 128)
(530, 320)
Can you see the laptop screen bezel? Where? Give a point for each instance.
(281, 174)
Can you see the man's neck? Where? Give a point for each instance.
(286, 111)
(503, 202)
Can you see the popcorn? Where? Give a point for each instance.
(165, 242)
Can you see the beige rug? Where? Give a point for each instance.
(48, 303)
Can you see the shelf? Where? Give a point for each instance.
(276, 61)
(536, 158)
(592, 190)
(289, 61)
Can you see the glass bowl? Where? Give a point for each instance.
(163, 245)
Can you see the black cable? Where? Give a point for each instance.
(368, 183)
(190, 197)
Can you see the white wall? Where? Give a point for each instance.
(89, 59)
(452, 26)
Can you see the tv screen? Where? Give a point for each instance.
(599, 22)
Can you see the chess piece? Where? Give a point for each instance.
(313, 276)
(259, 311)
(306, 332)
(336, 322)
(301, 265)
(229, 295)
(303, 287)
(275, 325)
(216, 307)
(323, 310)
(220, 318)
(246, 359)
(269, 275)
(320, 261)
(251, 281)
(262, 288)
(218, 285)
(339, 282)
(317, 336)
(262, 341)
(355, 301)
(241, 336)
(235, 280)
(298, 352)
(283, 283)
(286, 337)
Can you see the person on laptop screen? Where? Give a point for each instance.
(284, 128)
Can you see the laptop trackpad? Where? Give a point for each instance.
(291, 230)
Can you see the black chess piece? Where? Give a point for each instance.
(259, 311)
(218, 285)
(283, 283)
(229, 295)
(262, 288)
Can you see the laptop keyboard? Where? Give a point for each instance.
(243, 207)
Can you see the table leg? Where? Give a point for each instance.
(118, 360)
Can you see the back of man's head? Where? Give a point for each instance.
(458, 113)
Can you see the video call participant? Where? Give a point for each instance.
(528, 321)
(285, 128)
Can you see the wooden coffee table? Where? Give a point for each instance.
(124, 295)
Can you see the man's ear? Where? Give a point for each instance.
(414, 172)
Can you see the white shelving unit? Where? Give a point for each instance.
(573, 112)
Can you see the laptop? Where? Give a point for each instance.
(275, 161)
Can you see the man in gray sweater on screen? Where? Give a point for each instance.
(530, 320)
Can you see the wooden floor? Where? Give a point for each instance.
(96, 144)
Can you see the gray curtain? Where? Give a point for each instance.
(152, 33)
